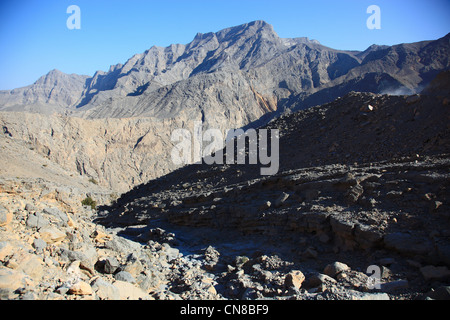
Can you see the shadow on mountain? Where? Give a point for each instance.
(359, 129)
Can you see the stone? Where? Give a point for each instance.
(11, 280)
(30, 264)
(435, 273)
(211, 254)
(111, 265)
(281, 199)
(51, 235)
(62, 217)
(100, 236)
(124, 276)
(335, 268)
(318, 279)
(89, 258)
(294, 279)
(81, 288)
(31, 208)
(36, 220)
(366, 108)
(122, 245)
(170, 253)
(355, 295)
(393, 286)
(240, 261)
(367, 237)
(407, 243)
(127, 291)
(105, 290)
(354, 193)
(6, 249)
(39, 245)
(133, 266)
(5, 216)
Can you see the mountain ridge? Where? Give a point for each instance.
(278, 69)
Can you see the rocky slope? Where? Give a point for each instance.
(224, 232)
(53, 92)
(362, 186)
(117, 153)
(115, 126)
(367, 187)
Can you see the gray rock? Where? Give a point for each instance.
(393, 286)
(4, 216)
(105, 290)
(124, 276)
(319, 279)
(407, 243)
(58, 214)
(36, 220)
(31, 208)
(281, 199)
(355, 295)
(39, 245)
(354, 193)
(335, 268)
(240, 261)
(435, 273)
(111, 265)
(170, 253)
(122, 245)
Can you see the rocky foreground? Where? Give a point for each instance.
(291, 247)
(370, 220)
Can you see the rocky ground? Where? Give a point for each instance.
(297, 245)
(362, 195)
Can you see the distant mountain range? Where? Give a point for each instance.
(244, 71)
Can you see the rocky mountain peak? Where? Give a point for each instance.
(55, 77)
(259, 28)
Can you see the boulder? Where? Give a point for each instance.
(335, 268)
(295, 278)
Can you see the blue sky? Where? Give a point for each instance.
(34, 37)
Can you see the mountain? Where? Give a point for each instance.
(359, 208)
(54, 92)
(363, 183)
(241, 76)
(247, 69)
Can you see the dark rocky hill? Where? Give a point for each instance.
(363, 180)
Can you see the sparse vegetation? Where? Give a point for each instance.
(89, 202)
(92, 180)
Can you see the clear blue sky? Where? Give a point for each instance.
(34, 37)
